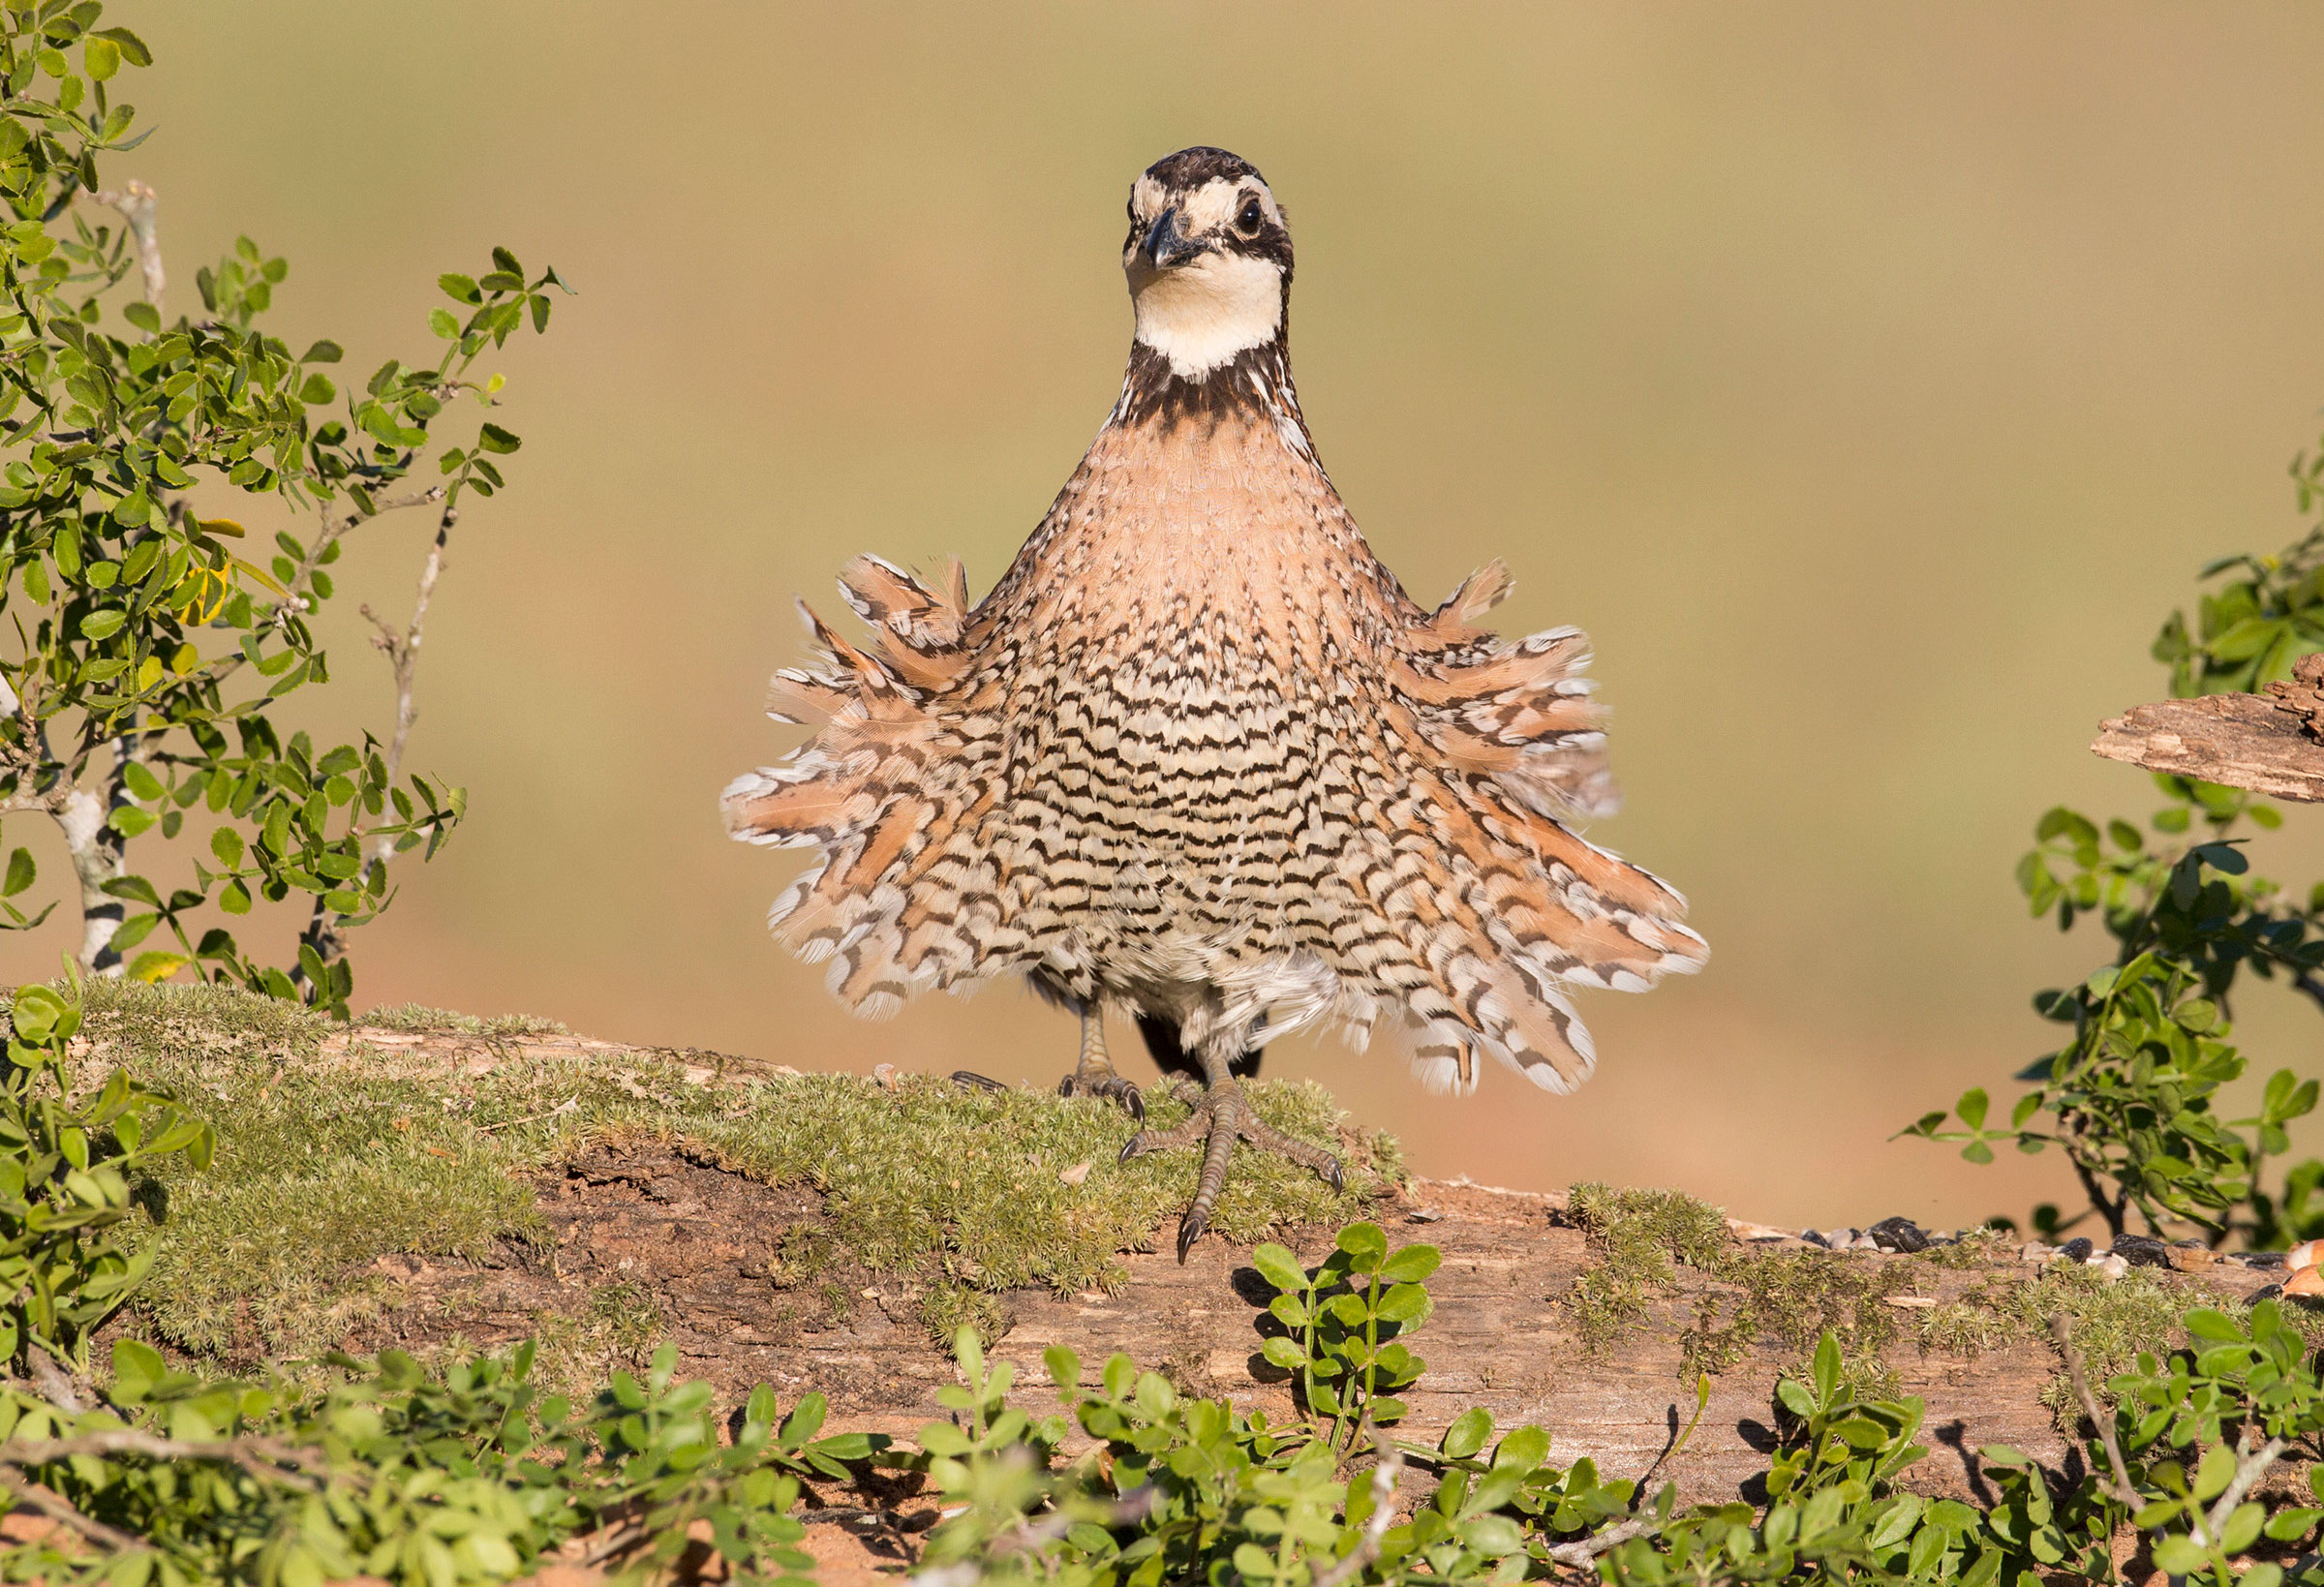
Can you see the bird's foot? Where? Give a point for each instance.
(1106, 1086)
(1222, 1116)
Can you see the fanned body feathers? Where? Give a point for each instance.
(1198, 755)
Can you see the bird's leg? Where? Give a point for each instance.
(1223, 1116)
(1094, 1073)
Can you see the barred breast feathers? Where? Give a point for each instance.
(1464, 900)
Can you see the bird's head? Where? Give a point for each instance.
(1208, 258)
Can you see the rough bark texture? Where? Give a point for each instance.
(698, 1242)
(2266, 743)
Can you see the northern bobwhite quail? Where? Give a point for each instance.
(1198, 756)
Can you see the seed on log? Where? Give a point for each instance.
(2076, 1249)
(2142, 1250)
(1899, 1234)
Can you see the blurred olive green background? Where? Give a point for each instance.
(1868, 380)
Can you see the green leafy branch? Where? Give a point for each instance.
(150, 645)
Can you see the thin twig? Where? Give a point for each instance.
(403, 657)
(1582, 1550)
(2250, 1466)
(402, 649)
(1385, 1476)
(140, 206)
(262, 1457)
(1030, 1534)
(54, 1384)
(566, 1107)
(2063, 1331)
(39, 1500)
(302, 577)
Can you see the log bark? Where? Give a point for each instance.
(2266, 743)
(696, 1237)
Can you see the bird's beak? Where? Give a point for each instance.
(1165, 245)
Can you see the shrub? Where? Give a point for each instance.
(147, 647)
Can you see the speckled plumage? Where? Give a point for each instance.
(1198, 754)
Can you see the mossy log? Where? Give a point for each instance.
(432, 1183)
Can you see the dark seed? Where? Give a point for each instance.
(1898, 1234)
(2076, 1250)
(2142, 1250)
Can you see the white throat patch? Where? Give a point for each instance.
(1202, 314)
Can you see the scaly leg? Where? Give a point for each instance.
(1093, 1074)
(1219, 1119)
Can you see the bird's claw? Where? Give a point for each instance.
(1191, 1227)
(1113, 1088)
(1221, 1117)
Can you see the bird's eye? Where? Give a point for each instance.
(1249, 220)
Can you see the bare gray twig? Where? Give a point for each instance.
(2063, 1331)
(1582, 1550)
(139, 205)
(402, 649)
(262, 1457)
(2251, 1465)
(403, 658)
(1385, 1476)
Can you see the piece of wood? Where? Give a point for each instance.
(697, 1239)
(2266, 743)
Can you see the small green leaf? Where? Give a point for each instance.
(1411, 1263)
(1279, 1268)
(1284, 1352)
(1468, 1433)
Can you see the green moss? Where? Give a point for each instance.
(1635, 1235)
(420, 1020)
(331, 1159)
(1792, 1298)
(2110, 1321)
